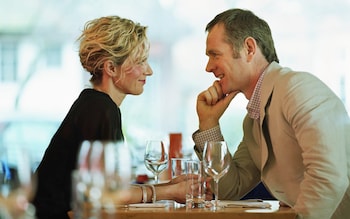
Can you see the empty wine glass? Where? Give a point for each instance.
(117, 174)
(88, 181)
(101, 179)
(156, 158)
(216, 161)
(16, 182)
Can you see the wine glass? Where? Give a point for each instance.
(117, 174)
(87, 181)
(156, 158)
(16, 182)
(216, 161)
(102, 178)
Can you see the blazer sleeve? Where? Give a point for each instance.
(320, 123)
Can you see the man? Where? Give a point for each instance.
(295, 134)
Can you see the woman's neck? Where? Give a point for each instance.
(111, 90)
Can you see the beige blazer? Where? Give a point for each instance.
(300, 147)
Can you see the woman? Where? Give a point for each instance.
(114, 51)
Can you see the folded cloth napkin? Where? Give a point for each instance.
(147, 205)
(244, 204)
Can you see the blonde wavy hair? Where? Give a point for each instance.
(120, 40)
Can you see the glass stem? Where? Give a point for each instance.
(156, 178)
(216, 193)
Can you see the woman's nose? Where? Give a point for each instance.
(149, 70)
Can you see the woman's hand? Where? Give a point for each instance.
(178, 186)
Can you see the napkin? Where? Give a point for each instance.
(147, 205)
(244, 204)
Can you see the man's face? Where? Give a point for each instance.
(229, 70)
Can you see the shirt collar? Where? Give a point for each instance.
(253, 106)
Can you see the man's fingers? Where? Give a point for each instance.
(205, 96)
(213, 95)
(218, 90)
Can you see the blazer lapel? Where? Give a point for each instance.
(266, 94)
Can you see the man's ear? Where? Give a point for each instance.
(250, 47)
(109, 68)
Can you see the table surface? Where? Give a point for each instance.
(176, 211)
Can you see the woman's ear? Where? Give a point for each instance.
(109, 68)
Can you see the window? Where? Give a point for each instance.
(53, 55)
(8, 61)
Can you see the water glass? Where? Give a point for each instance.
(195, 184)
(178, 166)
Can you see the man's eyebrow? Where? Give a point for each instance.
(211, 52)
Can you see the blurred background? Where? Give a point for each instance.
(41, 76)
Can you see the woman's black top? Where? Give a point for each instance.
(93, 116)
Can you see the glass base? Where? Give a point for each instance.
(195, 203)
